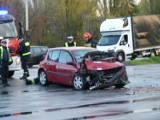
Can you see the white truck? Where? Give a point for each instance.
(131, 36)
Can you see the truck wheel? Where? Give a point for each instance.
(153, 53)
(120, 57)
(10, 74)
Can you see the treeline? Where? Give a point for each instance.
(51, 21)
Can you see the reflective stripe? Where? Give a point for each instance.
(10, 59)
(27, 44)
(33, 82)
(66, 44)
(88, 45)
(75, 44)
(1, 52)
(24, 54)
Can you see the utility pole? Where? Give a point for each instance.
(26, 18)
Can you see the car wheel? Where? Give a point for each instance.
(43, 78)
(10, 74)
(79, 82)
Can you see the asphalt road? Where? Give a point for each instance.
(139, 100)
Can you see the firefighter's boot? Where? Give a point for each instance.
(25, 75)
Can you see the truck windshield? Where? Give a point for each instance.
(108, 40)
(8, 30)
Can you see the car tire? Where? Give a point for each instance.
(10, 74)
(121, 85)
(79, 82)
(43, 78)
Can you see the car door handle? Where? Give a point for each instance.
(57, 67)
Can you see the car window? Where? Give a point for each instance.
(32, 51)
(53, 55)
(44, 49)
(65, 57)
(37, 51)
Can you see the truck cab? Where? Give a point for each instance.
(8, 31)
(116, 35)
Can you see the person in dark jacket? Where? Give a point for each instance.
(89, 41)
(70, 42)
(5, 60)
(24, 53)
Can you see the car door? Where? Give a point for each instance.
(65, 72)
(50, 66)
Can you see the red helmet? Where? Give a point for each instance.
(87, 35)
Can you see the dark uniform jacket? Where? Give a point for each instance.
(5, 55)
(73, 44)
(24, 48)
(90, 43)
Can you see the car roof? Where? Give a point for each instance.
(72, 48)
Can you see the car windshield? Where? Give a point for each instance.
(80, 53)
(108, 40)
(8, 30)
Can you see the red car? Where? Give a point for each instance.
(81, 68)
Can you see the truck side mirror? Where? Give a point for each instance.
(122, 43)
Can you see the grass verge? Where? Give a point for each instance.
(151, 60)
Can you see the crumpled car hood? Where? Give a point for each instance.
(102, 65)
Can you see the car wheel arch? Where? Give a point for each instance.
(45, 81)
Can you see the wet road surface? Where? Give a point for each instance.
(139, 100)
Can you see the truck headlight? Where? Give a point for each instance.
(18, 61)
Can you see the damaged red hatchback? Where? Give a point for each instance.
(82, 68)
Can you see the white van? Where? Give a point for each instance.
(131, 36)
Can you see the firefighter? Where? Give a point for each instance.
(24, 53)
(32, 81)
(5, 61)
(70, 42)
(89, 41)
